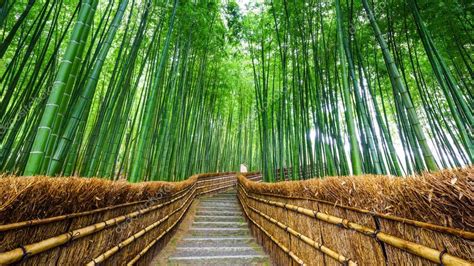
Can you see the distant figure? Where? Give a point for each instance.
(243, 168)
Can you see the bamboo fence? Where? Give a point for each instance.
(319, 225)
(128, 228)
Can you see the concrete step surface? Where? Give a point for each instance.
(219, 235)
(213, 224)
(205, 231)
(238, 260)
(218, 218)
(206, 242)
(217, 212)
(214, 251)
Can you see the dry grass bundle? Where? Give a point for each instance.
(445, 198)
(61, 205)
(29, 198)
(379, 204)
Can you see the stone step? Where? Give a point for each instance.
(219, 207)
(217, 200)
(220, 213)
(200, 231)
(222, 196)
(219, 204)
(222, 208)
(234, 260)
(218, 236)
(217, 242)
(218, 218)
(215, 251)
(220, 224)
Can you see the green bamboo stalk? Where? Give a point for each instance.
(35, 159)
(400, 87)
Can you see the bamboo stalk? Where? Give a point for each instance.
(413, 248)
(280, 245)
(442, 229)
(104, 256)
(44, 245)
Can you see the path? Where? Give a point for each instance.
(218, 235)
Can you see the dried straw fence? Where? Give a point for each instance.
(73, 221)
(366, 220)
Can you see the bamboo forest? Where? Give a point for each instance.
(236, 132)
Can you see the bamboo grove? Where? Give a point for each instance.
(385, 87)
(117, 89)
(160, 90)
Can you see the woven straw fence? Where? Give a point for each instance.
(366, 220)
(77, 221)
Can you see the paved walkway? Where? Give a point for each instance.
(219, 235)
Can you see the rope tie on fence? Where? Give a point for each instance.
(374, 234)
(25, 254)
(72, 235)
(343, 224)
(345, 262)
(441, 254)
(316, 214)
(299, 236)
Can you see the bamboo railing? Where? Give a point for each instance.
(130, 232)
(280, 210)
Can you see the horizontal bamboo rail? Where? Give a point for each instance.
(47, 244)
(216, 189)
(433, 227)
(428, 253)
(29, 223)
(214, 179)
(280, 245)
(254, 177)
(104, 256)
(152, 243)
(233, 183)
(213, 184)
(331, 253)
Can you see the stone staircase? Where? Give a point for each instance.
(219, 235)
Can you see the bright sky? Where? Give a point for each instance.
(245, 3)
